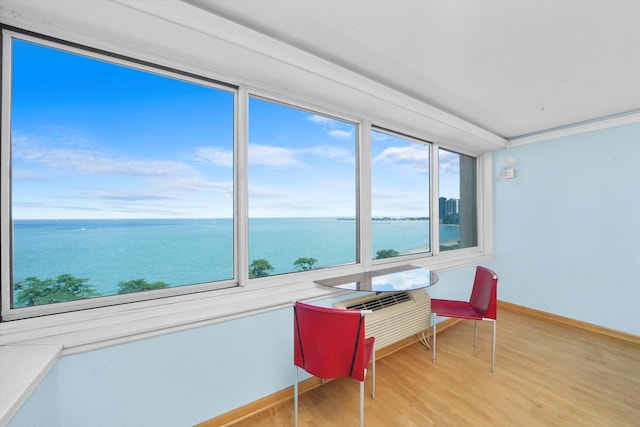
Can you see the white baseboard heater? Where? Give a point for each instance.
(395, 315)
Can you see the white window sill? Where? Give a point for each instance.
(22, 367)
(100, 327)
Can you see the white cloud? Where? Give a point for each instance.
(185, 183)
(340, 134)
(414, 158)
(267, 192)
(449, 163)
(92, 161)
(401, 281)
(216, 155)
(267, 155)
(378, 136)
(335, 128)
(112, 184)
(128, 196)
(323, 120)
(328, 151)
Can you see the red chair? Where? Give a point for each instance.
(331, 343)
(481, 306)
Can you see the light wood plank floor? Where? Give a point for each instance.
(546, 375)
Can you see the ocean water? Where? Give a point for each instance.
(188, 251)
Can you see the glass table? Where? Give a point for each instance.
(394, 279)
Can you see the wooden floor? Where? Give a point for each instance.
(546, 374)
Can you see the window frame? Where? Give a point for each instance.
(248, 296)
(310, 109)
(406, 257)
(7, 312)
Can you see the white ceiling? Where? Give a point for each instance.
(510, 67)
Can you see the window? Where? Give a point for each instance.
(400, 211)
(302, 190)
(119, 181)
(457, 201)
(121, 178)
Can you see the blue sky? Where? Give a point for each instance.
(92, 139)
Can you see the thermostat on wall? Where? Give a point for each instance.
(508, 173)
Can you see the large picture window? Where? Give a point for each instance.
(302, 190)
(121, 178)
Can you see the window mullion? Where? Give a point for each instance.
(364, 246)
(434, 218)
(5, 291)
(485, 204)
(241, 166)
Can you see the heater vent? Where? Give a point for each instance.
(381, 302)
(394, 316)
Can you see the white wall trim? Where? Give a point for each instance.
(590, 126)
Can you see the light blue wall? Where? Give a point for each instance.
(182, 378)
(179, 379)
(568, 227)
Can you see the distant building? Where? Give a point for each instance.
(449, 210)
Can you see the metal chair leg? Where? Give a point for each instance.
(493, 345)
(433, 324)
(362, 403)
(373, 358)
(295, 397)
(475, 333)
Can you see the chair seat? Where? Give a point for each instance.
(451, 308)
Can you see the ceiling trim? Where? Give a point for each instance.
(578, 128)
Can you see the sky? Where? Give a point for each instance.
(92, 139)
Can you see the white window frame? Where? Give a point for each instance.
(311, 109)
(433, 213)
(9, 313)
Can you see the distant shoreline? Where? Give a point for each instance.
(340, 218)
(390, 218)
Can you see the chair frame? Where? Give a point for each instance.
(359, 340)
(489, 313)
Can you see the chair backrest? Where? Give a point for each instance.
(484, 294)
(329, 342)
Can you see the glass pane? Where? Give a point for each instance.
(302, 190)
(400, 196)
(458, 201)
(121, 180)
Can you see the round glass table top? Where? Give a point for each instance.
(394, 279)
